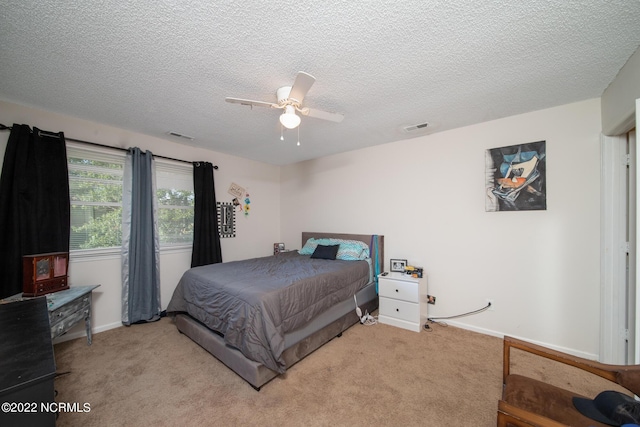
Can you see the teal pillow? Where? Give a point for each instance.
(311, 245)
(350, 250)
(308, 247)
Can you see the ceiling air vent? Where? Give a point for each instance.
(179, 135)
(413, 128)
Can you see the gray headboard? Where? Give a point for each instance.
(366, 238)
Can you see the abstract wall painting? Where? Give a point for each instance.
(516, 177)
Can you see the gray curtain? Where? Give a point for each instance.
(140, 241)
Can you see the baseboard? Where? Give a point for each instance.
(501, 335)
(490, 332)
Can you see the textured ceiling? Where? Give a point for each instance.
(158, 66)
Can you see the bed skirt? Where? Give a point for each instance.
(298, 343)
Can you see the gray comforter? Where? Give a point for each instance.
(254, 303)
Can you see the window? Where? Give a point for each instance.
(174, 188)
(95, 186)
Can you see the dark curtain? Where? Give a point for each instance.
(34, 201)
(140, 240)
(206, 239)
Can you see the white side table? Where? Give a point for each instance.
(402, 301)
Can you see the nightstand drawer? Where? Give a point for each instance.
(65, 317)
(398, 289)
(65, 323)
(78, 304)
(399, 309)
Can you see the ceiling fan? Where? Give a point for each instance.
(290, 100)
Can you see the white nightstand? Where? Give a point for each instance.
(402, 301)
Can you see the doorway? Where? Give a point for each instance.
(618, 343)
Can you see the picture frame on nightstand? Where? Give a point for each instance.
(398, 265)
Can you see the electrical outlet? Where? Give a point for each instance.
(492, 307)
(431, 299)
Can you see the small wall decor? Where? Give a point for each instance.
(516, 177)
(226, 219)
(398, 265)
(236, 190)
(236, 202)
(247, 202)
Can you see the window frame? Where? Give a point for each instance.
(107, 154)
(186, 169)
(90, 152)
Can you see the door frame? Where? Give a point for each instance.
(613, 249)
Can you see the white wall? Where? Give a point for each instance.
(255, 234)
(619, 98)
(426, 195)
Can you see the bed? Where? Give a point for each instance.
(261, 316)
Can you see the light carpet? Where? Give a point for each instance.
(151, 375)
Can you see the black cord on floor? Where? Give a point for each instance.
(435, 319)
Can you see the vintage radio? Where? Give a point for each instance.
(44, 273)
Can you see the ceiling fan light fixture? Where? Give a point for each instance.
(289, 118)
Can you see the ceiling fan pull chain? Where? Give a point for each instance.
(298, 136)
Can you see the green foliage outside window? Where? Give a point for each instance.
(175, 216)
(96, 207)
(96, 203)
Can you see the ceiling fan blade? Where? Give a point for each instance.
(324, 115)
(301, 86)
(250, 102)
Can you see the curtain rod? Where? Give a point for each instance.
(3, 127)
